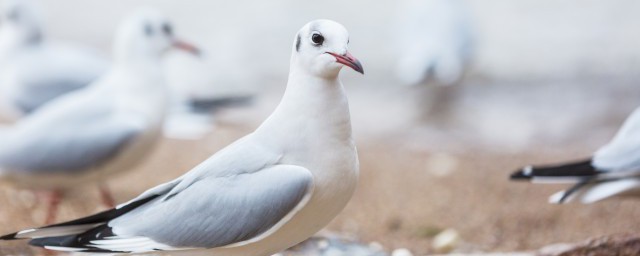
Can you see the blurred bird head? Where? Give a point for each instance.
(20, 22)
(147, 34)
(320, 48)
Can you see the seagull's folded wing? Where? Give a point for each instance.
(52, 71)
(221, 211)
(214, 211)
(61, 147)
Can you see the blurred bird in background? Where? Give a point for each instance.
(35, 69)
(109, 126)
(613, 170)
(434, 41)
(434, 45)
(195, 97)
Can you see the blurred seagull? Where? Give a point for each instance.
(434, 41)
(196, 96)
(105, 128)
(613, 170)
(260, 195)
(34, 70)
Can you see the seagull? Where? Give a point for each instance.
(107, 127)
(613, 170)
(260, 195)
(435, 41)
(33, 69)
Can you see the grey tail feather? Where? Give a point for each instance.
(575, 169)
(209, 105)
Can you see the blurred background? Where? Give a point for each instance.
(546, 81)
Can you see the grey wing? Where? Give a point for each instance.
(37, 93)
(623, 152)
(53, 71)
(212, 212)
(66, 147)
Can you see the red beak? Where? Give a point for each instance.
(348, 60)
(182, 45)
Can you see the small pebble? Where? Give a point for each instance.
(441, 164)
(401, 252)
(446, 241)
(323, 244)
(376, 246)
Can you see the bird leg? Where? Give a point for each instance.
(53, 197)
(105, 194)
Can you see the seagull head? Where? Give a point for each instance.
(321, 47)
(20, 22)
(148, 33)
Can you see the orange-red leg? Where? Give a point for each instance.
(53, 201)
(105, 195)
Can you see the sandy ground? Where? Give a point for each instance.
(421, 172)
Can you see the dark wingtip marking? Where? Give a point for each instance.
(9, 237)
(522, 174)
(298, 43)
(81, 241)
(106, 215)
(575, 169)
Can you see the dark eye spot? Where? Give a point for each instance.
(148, 29)
(298, 43)
(167, 29)
(317, 38)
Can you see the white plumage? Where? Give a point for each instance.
(35, 69)
(92, 133)
(260, 195)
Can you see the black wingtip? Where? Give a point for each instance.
(80, 242)
(579, 169)
(9, 237)
(522, 175)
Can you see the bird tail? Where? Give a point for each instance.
(591, 192)
(74, 227)
(574, 172)
(209, 105)
(589, 184)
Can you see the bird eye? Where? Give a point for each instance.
(317, 38)
(167, 29)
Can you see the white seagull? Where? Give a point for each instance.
(260, 195)
(434, 41)
(614, 170)
(33, 69)
(105, 128)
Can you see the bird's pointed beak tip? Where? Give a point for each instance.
(348, 60)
